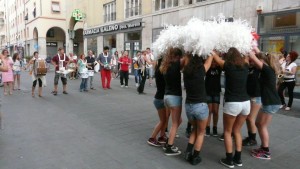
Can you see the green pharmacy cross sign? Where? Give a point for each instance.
(77, 15)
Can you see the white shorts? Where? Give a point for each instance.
(236, 108)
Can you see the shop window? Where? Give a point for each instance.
(163, 4)
(92, 44)
(55, 6)
(285, 20)
(109, 10)
(110, 41)
(132, 36)
(133, 8)
(200, 0)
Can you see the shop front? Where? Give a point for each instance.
(118, 37)
(281, 31)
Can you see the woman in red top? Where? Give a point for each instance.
(125, 61)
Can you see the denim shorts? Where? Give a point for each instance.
(17, 72)
(236, 108)
(271, 109)
(256, 100)
(213, 99)
(159, 104)
(197, 111)
(172, 101)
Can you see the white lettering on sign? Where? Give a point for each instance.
(111, 28)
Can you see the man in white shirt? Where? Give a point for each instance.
(149, 67)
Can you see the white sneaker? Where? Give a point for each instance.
(126, 86)
(137, 85)
(122, 86)
(177, 135)
(282, 106)
(287, 109)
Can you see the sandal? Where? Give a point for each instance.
(54, 93)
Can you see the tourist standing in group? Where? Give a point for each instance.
(17, 70)
(73, 66)
(125, 62)
(104, 60)
(149, 67)
(253, 90)
(40, 79)
(289, 70)
(270, 68)
(142, 71)
(91, 64)
(60, 62)
(137, 76)
(7, 77)
(170, 68)
(237, 103)
(84, 72)
(213, 89)
(194, 72)
(160, 107)
(114, 65)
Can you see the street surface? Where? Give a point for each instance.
(109, 129)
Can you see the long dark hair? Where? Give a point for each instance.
(15, 56)
(194, 62)
(173, 55)
(234, 57)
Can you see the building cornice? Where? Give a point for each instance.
(43, 17)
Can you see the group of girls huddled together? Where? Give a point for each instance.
(250, 95)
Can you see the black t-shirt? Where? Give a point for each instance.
(173, 79)
(90, 60)
(236, 83)
(269, 95)
(213, 81)
(195, 86)
(253, 86)
(160, 82)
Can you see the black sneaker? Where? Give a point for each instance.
(215, 131)
(237, 162)
(249, 142)
(196, 160)
(207, 133)
(221, 138)
(188, 156)
(171, 152)
(188, 133)
(227, 163)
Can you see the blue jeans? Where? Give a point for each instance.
(83, 85)
(196, 111)
(137, 76)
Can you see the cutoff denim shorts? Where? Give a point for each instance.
(159, 104)
(197, 111)
(172, 101)
(271, 109)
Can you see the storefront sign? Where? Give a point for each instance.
(113, 28)
(74, 44)
(54, 44)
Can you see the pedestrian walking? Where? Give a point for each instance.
(149, 67)
(7, 77)
(125, 62)
(270, 68)
(40, 79)
(73, 66)
(237, 103)
(137, 76)
(253, 90)
(104, 60)
(196, 108)
(289, 70)
(91, 64)
(60, 62)
(158, 102)
(213, 89)
(170, 68)
(142, 71)
(84, 73)
(16, 71)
